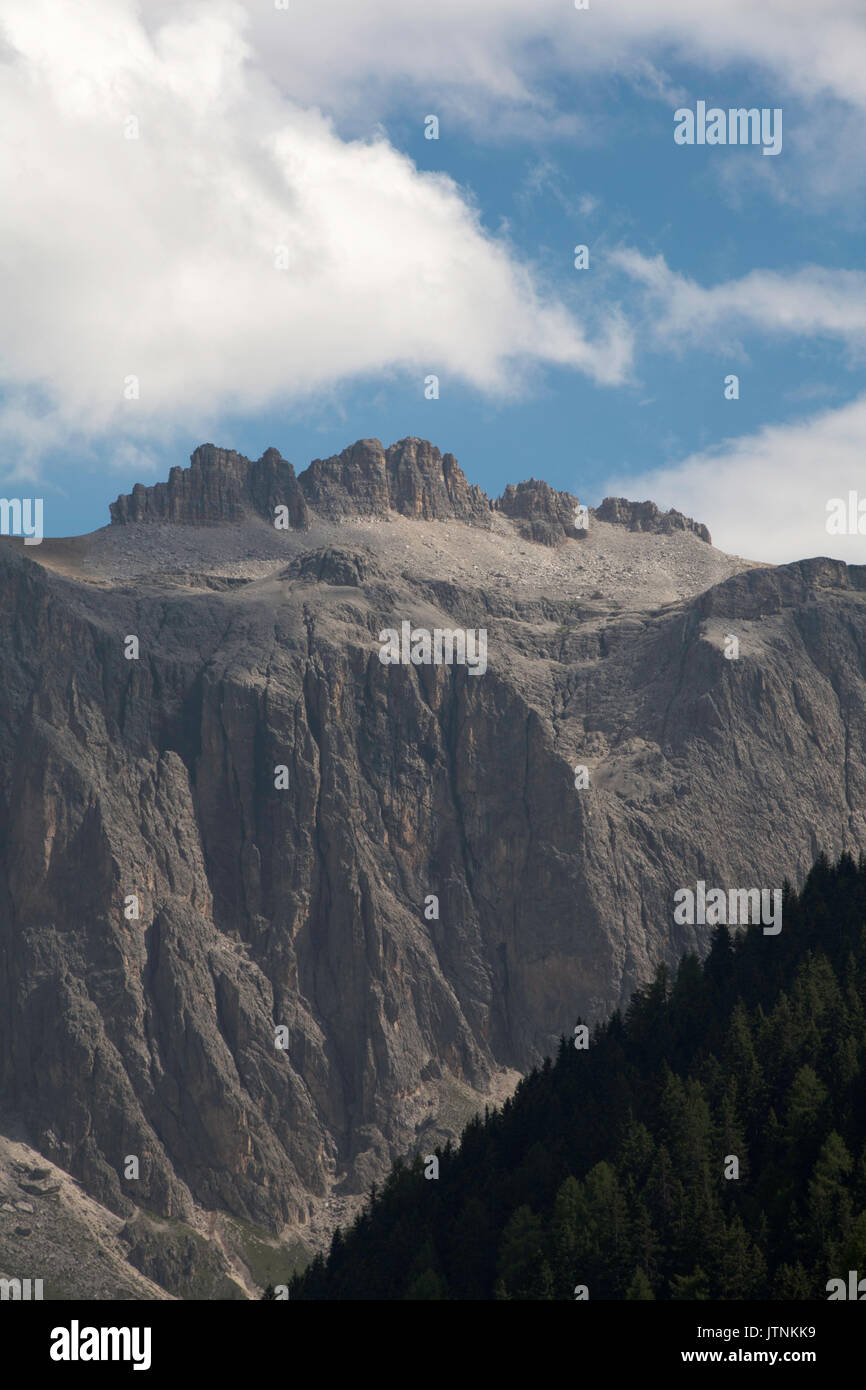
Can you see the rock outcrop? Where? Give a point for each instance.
(331, 565)
(541, 514)
(219, 485)
(411, 477)
(646, 516)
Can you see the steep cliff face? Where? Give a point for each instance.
(412, 477)
(219, 485)
(284, 808)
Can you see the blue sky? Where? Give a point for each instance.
(151, 255)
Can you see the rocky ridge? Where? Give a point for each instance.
(412, 478)
(219, 485)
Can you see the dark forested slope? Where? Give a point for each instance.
(608, 1168)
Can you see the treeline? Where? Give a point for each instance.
(607, 1169)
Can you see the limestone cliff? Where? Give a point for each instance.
(297, 900)
(219, 486)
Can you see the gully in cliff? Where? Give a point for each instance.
(421, 647)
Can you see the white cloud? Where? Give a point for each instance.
(765, 495)
(809, 301)
(155, 257)
(495, 67)
(496, 53)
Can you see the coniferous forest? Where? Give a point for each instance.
(606, 1172)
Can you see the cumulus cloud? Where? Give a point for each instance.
(496, 53)
(502, 68)
(185, 238)
(244, 251)
(809, 301)
(765, 495)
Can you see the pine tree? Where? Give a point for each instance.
(830, 1211)
(640, 1288)
(742, 1268)
(690, 1286)
(806, 1102)
(792, 1284)
(564, 1236)
(731, 1134)
(427, 1286)
(602, 1235)
(521, 1253)
(853, 1252)
(741, 1062)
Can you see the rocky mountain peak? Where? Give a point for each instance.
(219, 485)
(412, 478)
(541, 513)
(209, 456)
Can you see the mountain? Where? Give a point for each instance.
(281, 809)
(710, 1144)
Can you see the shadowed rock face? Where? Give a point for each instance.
(345, 568)
(354, 482)
(411, 477)
(303, 906)
(219, 485)
(645, 516)
(542, 514)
